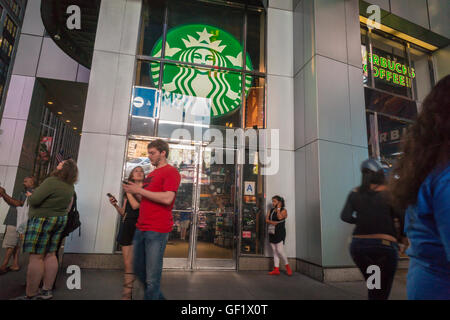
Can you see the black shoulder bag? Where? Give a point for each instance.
(73, 219)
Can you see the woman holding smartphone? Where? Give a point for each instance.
(129, 212)
(276, 220)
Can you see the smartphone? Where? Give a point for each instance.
(111, 196)
(125, 182)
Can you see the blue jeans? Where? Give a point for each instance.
(367, 252)
(148, 255)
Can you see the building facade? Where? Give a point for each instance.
(11, 18)
(256, 99)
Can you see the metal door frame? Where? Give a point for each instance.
(192, 262)
(211, 263)
(186, 263)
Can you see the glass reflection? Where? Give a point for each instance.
(254, 110)
(185, 109)
(215, 236)
(152, 25)
(420, 61)
(137, 155)
(183, 158)
(222, 88)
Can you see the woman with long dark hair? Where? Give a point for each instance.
(276, 220)
(49, 206)
(374, 240)
(420, 185)
(130, 213)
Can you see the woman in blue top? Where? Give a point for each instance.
(420, 185)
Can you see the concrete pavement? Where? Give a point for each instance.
(203, 285)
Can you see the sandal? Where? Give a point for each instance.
(128, 286)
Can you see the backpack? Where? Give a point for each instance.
(73, 220)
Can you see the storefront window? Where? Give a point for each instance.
(222, 89)
(388, 104)
(54, 127)
(364, 53)
(420, 62)
(256, 38)
(137, 155)
(213, 37)
(201, 71)
(385, 135)
(221, 24)
(147, 74)
(391, 71)
(253, 213)
(142, 123)
(254, 111)
(217, 207)
(152, 25)
(397, 75)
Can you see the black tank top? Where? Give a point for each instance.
(131, 213)
(280, 228)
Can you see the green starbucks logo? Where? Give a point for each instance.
(213, 47)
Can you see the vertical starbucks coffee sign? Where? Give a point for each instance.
(212, 47)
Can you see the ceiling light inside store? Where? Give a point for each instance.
(75, 128)
(68, 121)
(59, 112)
(50, 102)
(401, 35)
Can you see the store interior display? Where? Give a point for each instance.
(252, 234)
(207, 198)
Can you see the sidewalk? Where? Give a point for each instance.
(202, 285)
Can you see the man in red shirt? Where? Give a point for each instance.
(155, 218)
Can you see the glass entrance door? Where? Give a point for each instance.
(205, 215)
(185, 159)
(214, 243)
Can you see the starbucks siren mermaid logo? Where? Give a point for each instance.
(202, 44)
